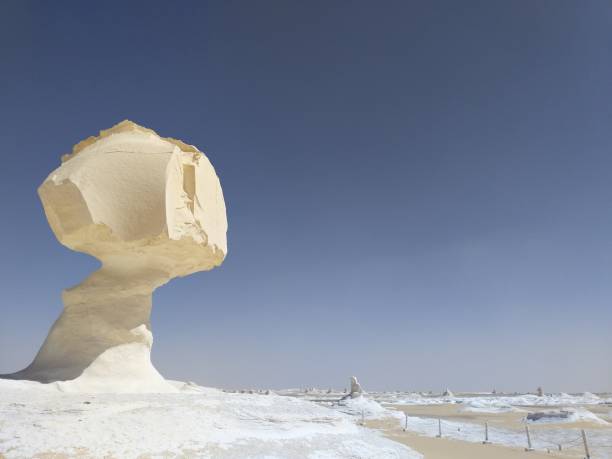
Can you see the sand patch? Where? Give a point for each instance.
(442, 448)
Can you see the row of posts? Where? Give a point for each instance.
(527, 433)
(584, 442)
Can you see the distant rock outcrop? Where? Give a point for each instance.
(553, 415)
(356, 390)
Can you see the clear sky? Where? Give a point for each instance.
(418, 193)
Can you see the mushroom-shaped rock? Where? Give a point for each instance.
(150, 209)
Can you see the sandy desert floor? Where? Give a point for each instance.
(432, 447)
(443, 448)
(511, 419)
(463, 416)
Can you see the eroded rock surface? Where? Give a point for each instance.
(150, 209)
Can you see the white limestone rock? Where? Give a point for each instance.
(356, 390)
(150, 209)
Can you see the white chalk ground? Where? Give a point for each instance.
(197, 422)
(194, 422)
(492, 401)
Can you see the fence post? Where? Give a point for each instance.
(486, 440)
(439, 428)
(406, 424)
(529, 448)
(362, 418)
(586, 445)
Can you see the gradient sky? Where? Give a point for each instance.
(418, 193)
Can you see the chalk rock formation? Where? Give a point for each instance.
(150, 209)
(356, 390)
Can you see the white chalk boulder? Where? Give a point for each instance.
(356, 390)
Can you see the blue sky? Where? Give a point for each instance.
(418, 193)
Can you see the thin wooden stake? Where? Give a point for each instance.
(486, 440)
(362, 418)
(439, 428)
(586, 445)
(406, 424)
(529, 448)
